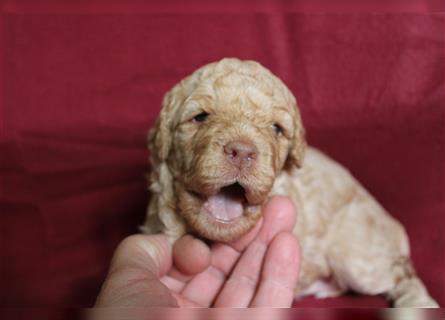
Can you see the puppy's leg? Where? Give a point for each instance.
(368, 252)
(408, 289)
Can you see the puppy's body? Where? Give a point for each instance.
(231, 134)
(348, 241)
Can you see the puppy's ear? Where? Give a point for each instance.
(297, 148)
(160, 135)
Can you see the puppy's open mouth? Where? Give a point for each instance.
(228, 204)
(224, 212)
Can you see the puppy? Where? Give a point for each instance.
(228, 137)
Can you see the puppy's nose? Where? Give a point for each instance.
(241, 154)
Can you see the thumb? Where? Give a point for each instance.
(143, 253)
(133, 278)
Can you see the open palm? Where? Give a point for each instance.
(259, 269)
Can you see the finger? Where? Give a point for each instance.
(204, 287)
(279, 215)
(241, 243)
(280, 273)
(239, 289)
(185, 303)
(173, 284)
(191, 255)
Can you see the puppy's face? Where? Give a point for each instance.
(230, 133)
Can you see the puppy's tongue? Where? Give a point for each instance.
(225, 206)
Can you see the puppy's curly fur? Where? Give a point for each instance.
(228, 137)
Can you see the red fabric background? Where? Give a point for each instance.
(81, 84)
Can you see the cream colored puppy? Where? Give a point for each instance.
(228, 137)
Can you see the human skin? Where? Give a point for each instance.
(259, 269)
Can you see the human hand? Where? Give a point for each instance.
(259, 269)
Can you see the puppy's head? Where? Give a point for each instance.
(225, 133)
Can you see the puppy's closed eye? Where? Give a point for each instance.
(278, 129)
(201, 117)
